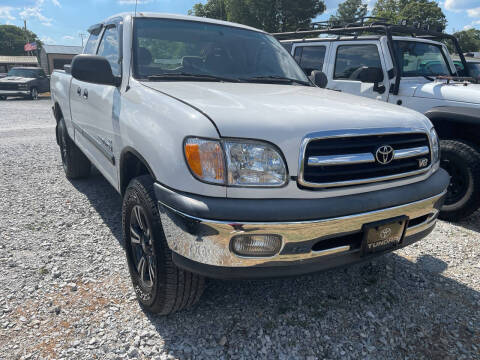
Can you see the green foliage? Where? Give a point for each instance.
(269, 15)
(422, 11)
(349, 11)
(469, 40)
(12, 40)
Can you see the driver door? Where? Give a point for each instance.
(350, 58)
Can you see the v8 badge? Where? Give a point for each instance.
(422, 162)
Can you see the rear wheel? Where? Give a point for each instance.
(462, 162)
(3, 97)
(33, 93)
(161, 287)
(75, 164)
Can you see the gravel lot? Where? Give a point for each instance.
(65, 291)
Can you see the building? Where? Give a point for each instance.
(56, 56)
(7, 62)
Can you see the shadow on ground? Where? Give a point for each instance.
(391, 307)
(104, 199)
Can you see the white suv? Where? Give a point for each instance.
(414, 71)
(231, 163)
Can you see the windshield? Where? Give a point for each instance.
(421, 59)
(164, 48)
(27, 73)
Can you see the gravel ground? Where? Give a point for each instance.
(65, 291)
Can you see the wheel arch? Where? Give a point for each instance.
(131, 165)
(456, 123)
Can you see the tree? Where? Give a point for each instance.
(269, 15)
(421, 11)
(469, 40)
(12, 39)
(349, 11)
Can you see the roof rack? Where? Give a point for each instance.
(376, 25)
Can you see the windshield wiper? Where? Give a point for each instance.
(190, 77)
(275, 80)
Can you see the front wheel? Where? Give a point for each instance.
(462, 162)
(3, 97)
(161, 287)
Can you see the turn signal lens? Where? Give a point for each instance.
(256, 245)
(205, 159)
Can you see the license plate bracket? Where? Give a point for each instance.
(383, 235)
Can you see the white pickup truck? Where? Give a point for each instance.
(231, 163)
(414, 71)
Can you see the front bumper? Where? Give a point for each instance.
(14, 93)
(202, 245)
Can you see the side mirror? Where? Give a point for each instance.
(371, 75)
(319, 78)
(93, 69)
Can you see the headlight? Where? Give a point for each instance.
(435, 146)
(248, 163)
(254, 164)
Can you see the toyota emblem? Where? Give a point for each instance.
(384, 154)
(385, 233)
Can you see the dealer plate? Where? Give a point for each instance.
(383, 235)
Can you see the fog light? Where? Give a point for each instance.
(256, 244)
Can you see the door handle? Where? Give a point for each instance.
(85, 93)
(79, 91)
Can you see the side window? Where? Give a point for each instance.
(109, 48)
(310, 58)
(351, 59)
(91, 44)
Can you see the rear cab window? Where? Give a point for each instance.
(351, 59)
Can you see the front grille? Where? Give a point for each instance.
(6, 86)
(343, 161)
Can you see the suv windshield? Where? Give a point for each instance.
(189, 50)
(421, 59)
(27, 73)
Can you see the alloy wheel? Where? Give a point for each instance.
(141, 240)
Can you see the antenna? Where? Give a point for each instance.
(136, 2)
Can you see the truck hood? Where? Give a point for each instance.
(284, 114)
(449, 92)
(15, 80)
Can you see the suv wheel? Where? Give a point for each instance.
(160, 286)
(75, 163)
(462, 162)
(33, 93)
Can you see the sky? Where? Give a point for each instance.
(64, 21)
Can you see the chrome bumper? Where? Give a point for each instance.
(208, 241)
(14, 92)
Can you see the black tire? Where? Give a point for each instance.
(75, 164)
(33, 93)
(171, 289)
(3, 97)
(462, 162)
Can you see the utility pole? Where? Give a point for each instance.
(82, 35)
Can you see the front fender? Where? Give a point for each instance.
(465, 115)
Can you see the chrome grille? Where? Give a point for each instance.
(7, 86)
(360, 159)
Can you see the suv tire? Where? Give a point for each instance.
(75, 164)
(161, 287)
(462, 162)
